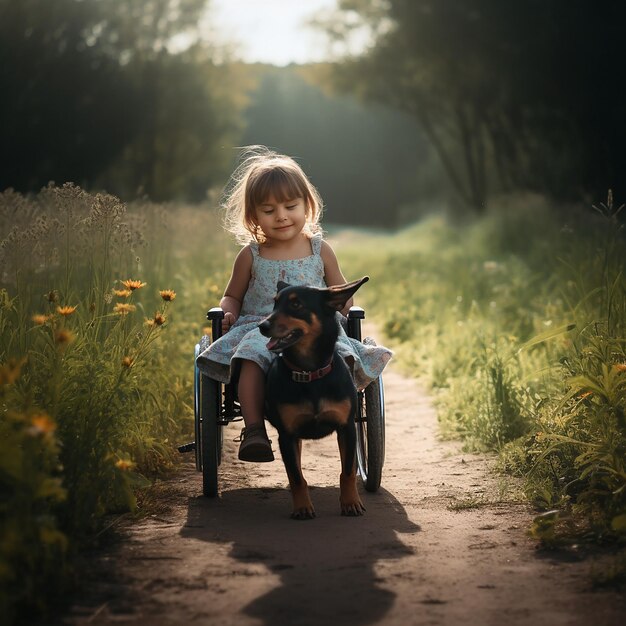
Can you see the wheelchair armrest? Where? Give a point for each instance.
(355, 315)
(215, 316)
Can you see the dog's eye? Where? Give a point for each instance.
(295, 304)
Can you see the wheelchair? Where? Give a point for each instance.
(216, 406)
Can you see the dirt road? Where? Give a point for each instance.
(418, 556)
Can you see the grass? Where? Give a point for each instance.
(517, 322)
(100, 306)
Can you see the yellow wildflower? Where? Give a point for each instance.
(620, 367)
(122, 293)
(127, 361)
(10, 371)
(158, 320)
(122, 308)
(41, 424)
(167, 294)
(40, 319)
(65, 311)
(63, 337)
(124, 464)
(133, 284)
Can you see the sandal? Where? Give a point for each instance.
(255, 445)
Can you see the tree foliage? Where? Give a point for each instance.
(93, 94)
(511, 95)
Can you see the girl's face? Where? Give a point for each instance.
(281, 220)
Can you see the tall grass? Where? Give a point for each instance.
(95, 373)
(579, 452)
(518, 322)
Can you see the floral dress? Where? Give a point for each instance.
(244, 339)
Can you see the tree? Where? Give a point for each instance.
(188, 114)
(95, 95)
(56, 87)
(508, 93)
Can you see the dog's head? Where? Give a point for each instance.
(304, 312)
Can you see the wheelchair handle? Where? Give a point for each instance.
(215, 316)
(355, 315)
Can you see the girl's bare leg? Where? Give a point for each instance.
(251, 392)
(255, 445)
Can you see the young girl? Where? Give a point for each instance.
(273, 209)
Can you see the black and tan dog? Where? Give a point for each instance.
(310, 392)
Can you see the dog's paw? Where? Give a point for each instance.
(352, 509)
(302, 507)
(303, 513)
(349, 499)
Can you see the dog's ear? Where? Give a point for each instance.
(338, 295)
(280, 285)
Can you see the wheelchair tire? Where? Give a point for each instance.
(370, 433)
(196, 404)
(210, 434)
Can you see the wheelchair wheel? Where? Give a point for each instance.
(370, 434)
(211, 433)
(196, 405)
(208, 430)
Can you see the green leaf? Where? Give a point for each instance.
(587, 383)
(548, 334)
(618, 523)
(51, 488)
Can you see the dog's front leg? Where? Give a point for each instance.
(291, 451)
(349, 496)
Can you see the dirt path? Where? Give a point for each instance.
(418, 556)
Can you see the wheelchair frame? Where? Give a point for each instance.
(215, 406)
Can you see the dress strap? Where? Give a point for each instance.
(316, 244)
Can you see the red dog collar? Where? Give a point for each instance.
(299, 376)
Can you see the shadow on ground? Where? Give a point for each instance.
(321, 569)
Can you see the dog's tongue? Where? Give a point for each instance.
(271, 344)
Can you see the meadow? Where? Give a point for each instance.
(100, 307)
(515, 321)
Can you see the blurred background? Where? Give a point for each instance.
(394, 107)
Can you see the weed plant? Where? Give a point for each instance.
(517, 321)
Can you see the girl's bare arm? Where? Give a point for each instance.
(332, 271)
(236, 288)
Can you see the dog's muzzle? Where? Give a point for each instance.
(279, 343)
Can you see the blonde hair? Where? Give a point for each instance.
(260, 174)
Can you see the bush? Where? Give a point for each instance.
(32, 548)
